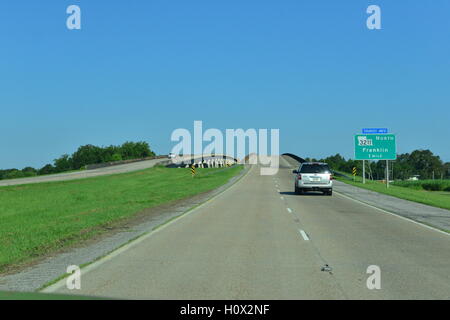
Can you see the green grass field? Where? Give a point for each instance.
(40, 218)
(430, 185)
(436, 199)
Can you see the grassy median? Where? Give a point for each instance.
(37, 219)
(432, 198)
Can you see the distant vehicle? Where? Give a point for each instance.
(313, 176)
(171, 155)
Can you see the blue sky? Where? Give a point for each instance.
(137, 70)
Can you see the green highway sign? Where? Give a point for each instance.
(375, 147)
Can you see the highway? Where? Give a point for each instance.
(134, 166)
(122, 168)
(258, 240)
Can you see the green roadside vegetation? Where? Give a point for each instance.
(24, 176)
(400, 190)
(37, 219)
(430, 185)
(4, 295)
(422, 163)
(85, 155)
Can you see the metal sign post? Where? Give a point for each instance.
(387, 173)
(364, 171)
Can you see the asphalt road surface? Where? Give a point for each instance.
(140, 165)
(258, 240)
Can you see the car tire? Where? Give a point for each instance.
(296, 190)
(330, 193)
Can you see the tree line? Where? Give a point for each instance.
(419, 162)
(85, 155)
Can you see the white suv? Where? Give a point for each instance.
(313, 176)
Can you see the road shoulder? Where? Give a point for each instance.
(430, 216)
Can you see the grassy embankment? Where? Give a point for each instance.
(37, 219)
(413, 191)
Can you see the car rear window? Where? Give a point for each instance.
(315, 168)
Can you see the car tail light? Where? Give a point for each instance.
(299, 177)
(331, 177)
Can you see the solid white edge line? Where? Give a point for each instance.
(393, 214)
(304, 235)
(94, 265)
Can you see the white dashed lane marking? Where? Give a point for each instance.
(304, 235)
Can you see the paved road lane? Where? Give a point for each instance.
(414, 260)
(260, 241)
(241, 245)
